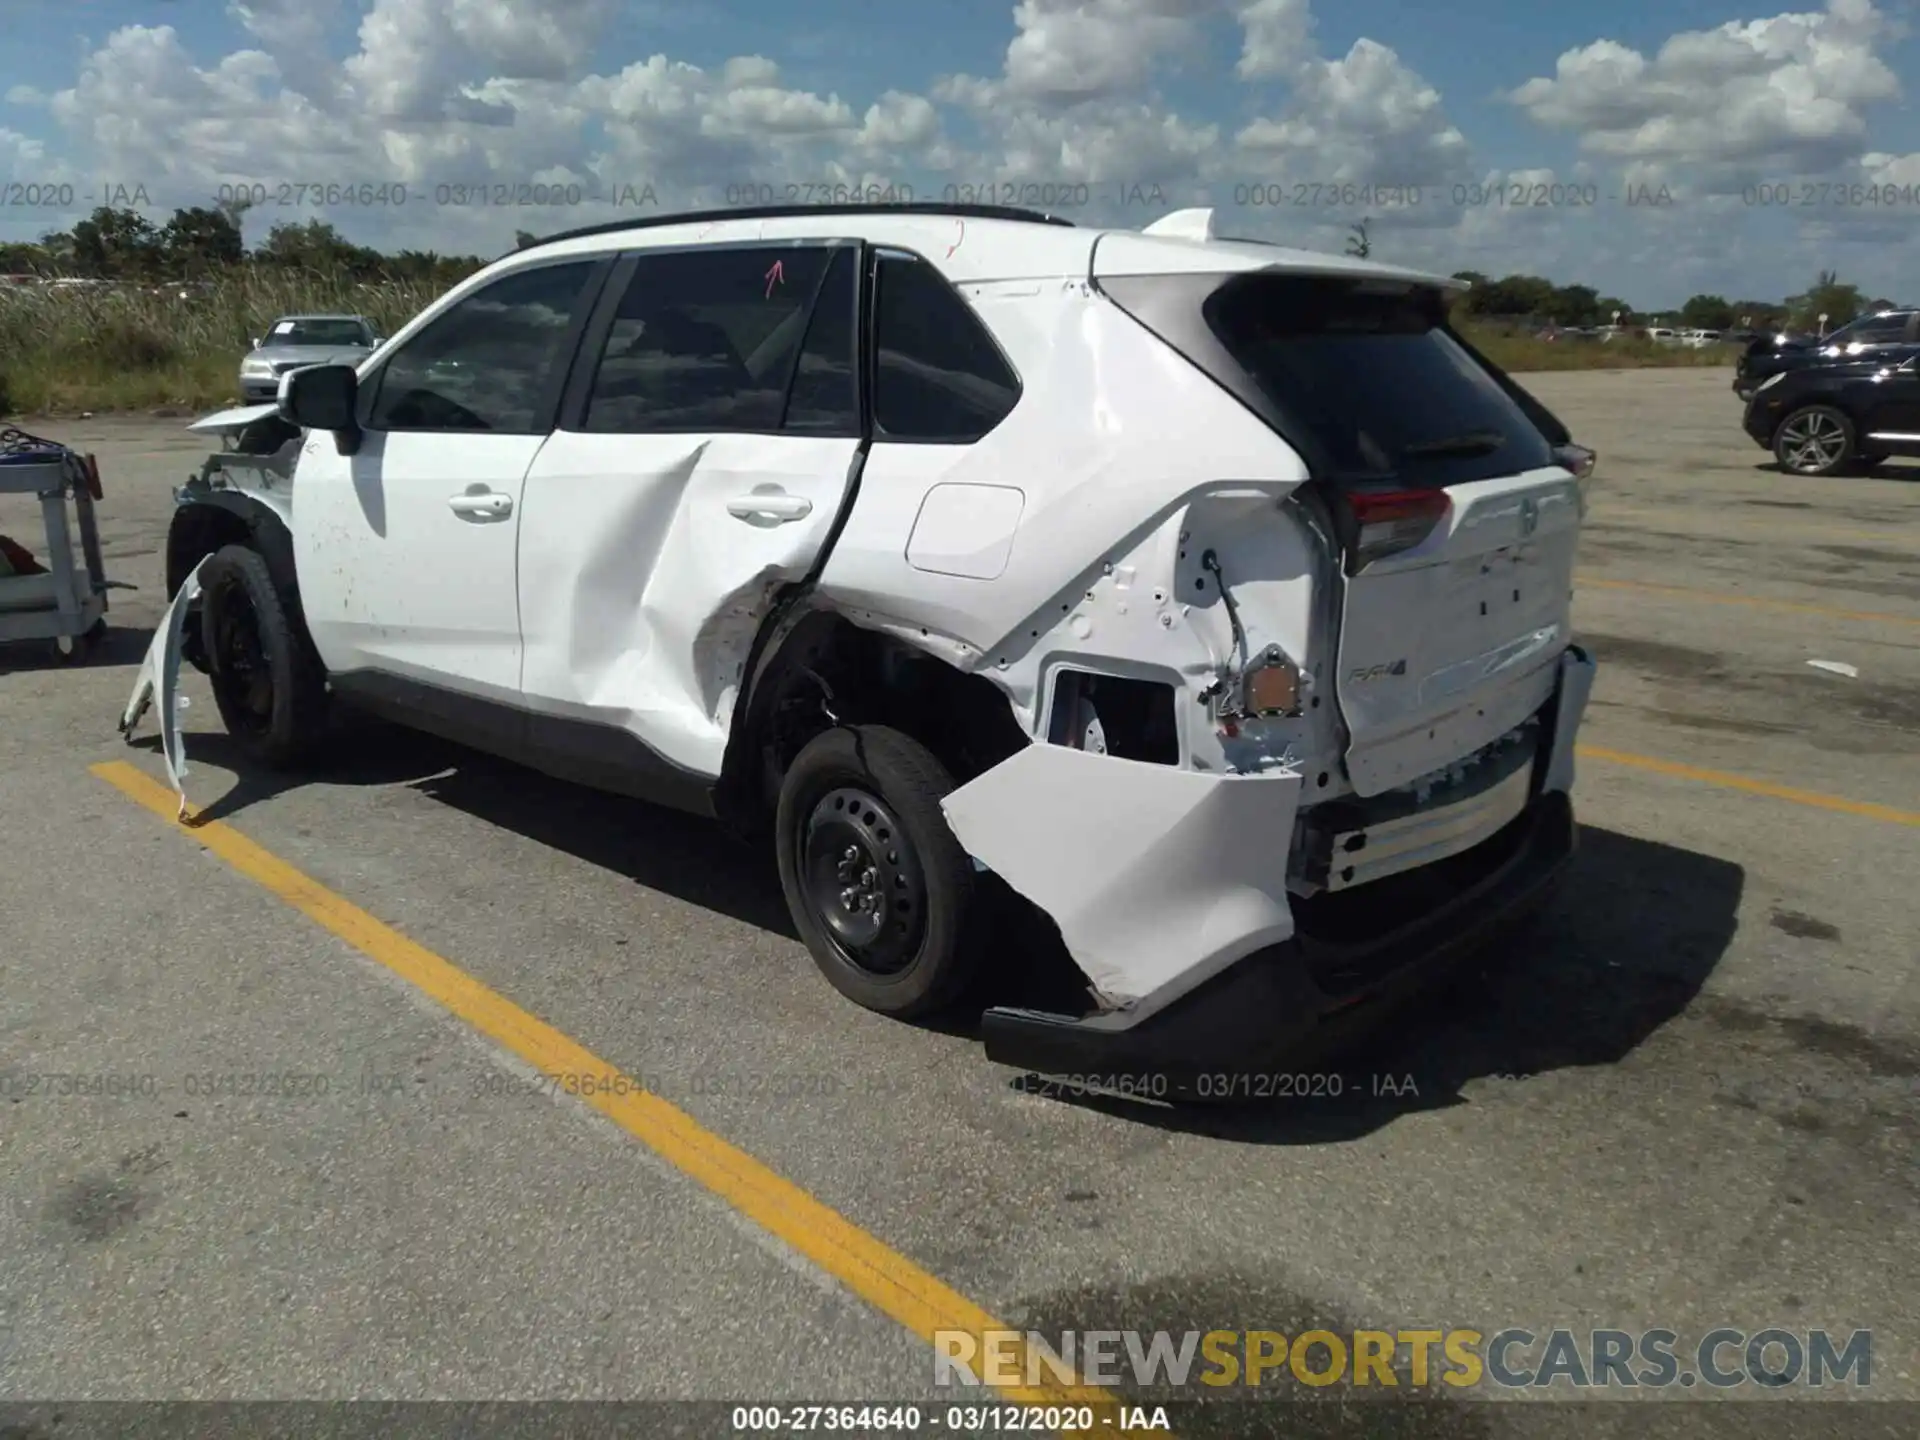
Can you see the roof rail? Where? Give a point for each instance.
(780, 212)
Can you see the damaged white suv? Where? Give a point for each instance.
(1211, 598)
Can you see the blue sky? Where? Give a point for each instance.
(1701, 102)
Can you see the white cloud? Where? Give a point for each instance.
(1277, 37)
(1790, 91)
(1069, 50)
(433, 92)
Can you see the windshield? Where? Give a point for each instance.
(1371, 372)
(323, 331)
(1871, 330)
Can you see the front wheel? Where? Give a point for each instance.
(267, 682)
(879, 888)
(1815, 441)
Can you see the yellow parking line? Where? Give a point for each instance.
(882, 1276)
(1716, 597)
(1864, 808)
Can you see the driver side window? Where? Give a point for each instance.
(489, 363)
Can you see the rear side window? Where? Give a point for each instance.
(709, 340)
(825, 399)
(938, 375)
(1368, 371)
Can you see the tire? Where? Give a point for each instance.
(267, 682)
(858, 825)
(1814, 440)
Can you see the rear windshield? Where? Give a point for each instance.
(1368, 370)
(317, 332)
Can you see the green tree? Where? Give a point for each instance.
(316, 246)
(1576, 305)
(1516, 297)
(1359, 245)
(26, 259)
(116, 245)
(200, 240)
(1759, 315)
(1841, 304)
(1707, 312)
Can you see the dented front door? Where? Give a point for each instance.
(699, 467)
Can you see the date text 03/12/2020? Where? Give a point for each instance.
(1232, 1085)
(1072, 1419)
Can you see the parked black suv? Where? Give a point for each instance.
(1850, 413)
(1869, 336)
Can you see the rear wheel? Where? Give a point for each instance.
(267, 682)
(878, 886)
(1817, 440)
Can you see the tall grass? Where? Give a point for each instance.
(82, 348)
(1521, 353)
(78, 348)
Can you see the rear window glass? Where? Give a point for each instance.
(318, 332)
(1367, 370)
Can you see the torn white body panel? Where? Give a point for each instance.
(1156, 877)
(158, 684)
(1099, 391)
(1576, 672)
(234, 420)
(647, 564)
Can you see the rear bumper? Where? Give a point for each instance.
(1304, 988)
(1277, 1011)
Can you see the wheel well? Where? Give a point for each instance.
(198, 531)
(204, 526)
(826, 671)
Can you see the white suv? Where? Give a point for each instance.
(1208, 599)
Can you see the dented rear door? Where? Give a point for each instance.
(707, 444)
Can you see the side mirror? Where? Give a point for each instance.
(257, 343)
(323, 397)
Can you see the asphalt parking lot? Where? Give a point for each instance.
(1694, 1102)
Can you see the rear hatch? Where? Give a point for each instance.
(1457, 518)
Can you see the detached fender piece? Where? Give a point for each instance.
(158, 683)
(1156, 877)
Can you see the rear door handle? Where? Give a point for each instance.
(483, 505)
(774, 504)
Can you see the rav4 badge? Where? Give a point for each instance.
(1378, 672)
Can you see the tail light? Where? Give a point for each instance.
(1386, 522)
(1579, 461)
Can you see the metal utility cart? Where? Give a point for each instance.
(67, 603)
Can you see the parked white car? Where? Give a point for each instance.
(1209, 596)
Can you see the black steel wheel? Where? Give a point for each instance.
(267, 682)
(877, 884)
(864, 881)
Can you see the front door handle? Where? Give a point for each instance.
(483, 504)
(771, 504)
